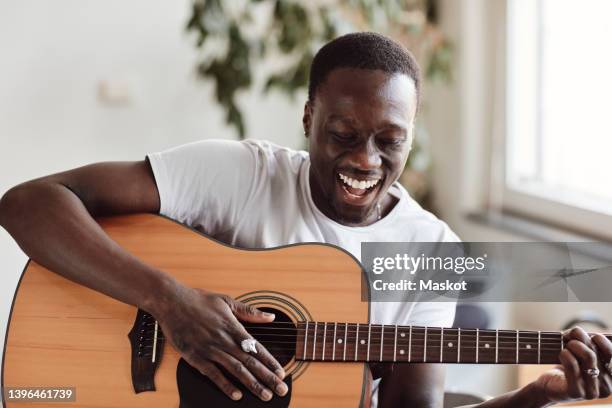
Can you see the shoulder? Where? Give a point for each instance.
(222, 153)
(420, 224)
(274, 155)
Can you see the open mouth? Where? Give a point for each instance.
(358, 191)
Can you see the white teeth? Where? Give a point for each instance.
(361, 184)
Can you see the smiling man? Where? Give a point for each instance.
(359, 117)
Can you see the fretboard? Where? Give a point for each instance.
(320, 341)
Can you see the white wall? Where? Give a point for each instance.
(54, 55)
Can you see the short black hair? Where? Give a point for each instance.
(363, 50)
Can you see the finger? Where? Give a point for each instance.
(262, 354)
(242, 373)
(269, 361)
(603, 347)
(604, 351)
(578, 333)
(587, 359)
(262, 372)
(248, 313)
(605, 385)
(571, 368)
(216, 376)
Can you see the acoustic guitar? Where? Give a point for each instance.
(62, 334)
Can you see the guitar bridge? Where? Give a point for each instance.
(147, 344)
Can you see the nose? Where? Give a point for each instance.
(365, 156)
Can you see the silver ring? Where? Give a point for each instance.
(593, 372)
(249, 346)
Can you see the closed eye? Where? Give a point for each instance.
(343, 137)
(393, 141)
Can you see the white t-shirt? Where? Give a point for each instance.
(254, 194)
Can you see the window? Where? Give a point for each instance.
(558, 163)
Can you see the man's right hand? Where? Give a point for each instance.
(205, 329)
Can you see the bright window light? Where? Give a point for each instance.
(559, 101)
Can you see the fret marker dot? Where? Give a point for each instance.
(340, 341)
(487, 345)
(362, 341)
(450, 344)
(528, 346)
(401, 351)
(402, 334)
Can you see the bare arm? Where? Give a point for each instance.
(412, 385)
(51, 219)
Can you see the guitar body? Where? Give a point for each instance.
(64, 335)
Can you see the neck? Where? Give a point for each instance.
(320, 341)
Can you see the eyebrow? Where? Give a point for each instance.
(338, 118)
(393, 125)
(387, 125)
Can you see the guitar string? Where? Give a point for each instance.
(433, 341)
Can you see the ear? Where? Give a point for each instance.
(307, 118)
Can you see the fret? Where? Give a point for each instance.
(334, 346)
(459, 345)
(477, 344)
(345, 336)
(369, 335)
(425, 345)
(305, 339)
(357, 342)
(517, 347)
(314, 342)
(418, 344)
(496, 346)
(395, 345)
(382, 341)
(441, 342)
(324, 338)
(539, 345)
(410, 345)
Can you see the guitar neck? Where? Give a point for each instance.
(320, 341)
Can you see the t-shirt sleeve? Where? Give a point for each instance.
(206, 184)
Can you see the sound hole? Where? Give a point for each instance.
(278, 337)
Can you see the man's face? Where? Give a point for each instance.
(360, 130)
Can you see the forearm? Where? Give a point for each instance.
(53, 227)
(526, 397)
